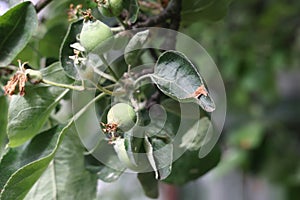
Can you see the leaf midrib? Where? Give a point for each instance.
(173, 82)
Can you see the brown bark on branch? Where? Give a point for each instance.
(171, 12)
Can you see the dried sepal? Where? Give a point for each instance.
(111, 131)
(20, 77)
(87, 15)
(74, 12)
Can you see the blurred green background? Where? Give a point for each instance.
(257, 49)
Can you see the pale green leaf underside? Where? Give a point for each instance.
(160, 156)
(135, 46)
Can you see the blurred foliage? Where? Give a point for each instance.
(256, 47)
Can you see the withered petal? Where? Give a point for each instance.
(22, 81)
(10, 87)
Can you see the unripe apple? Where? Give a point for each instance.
(95, 36)
(123, 115)
(34, 76)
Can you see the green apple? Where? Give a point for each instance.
(111, 8)
(123, 115)
(95, 36)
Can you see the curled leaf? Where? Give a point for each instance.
(177, 77)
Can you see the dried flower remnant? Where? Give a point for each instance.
(20, 78)
(110, 129)
(74, 12)
(87, 15)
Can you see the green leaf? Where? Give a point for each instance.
(134, 46)
(160, 156)
(103, 172)
(133, 8)
(207, 10)
(189, 167)
(108, 174)
(177, 77)
(50, 44)
(66, 51)
(30, 54)
(195, 137)
(173, 107)
(21, 167)
(27, 114)
(66, 176)
(16, 28)
(3, 120)
(163, 124)
(121, 39)
(133, 147)
(149, 184)
(163, 156)
(125, 153)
